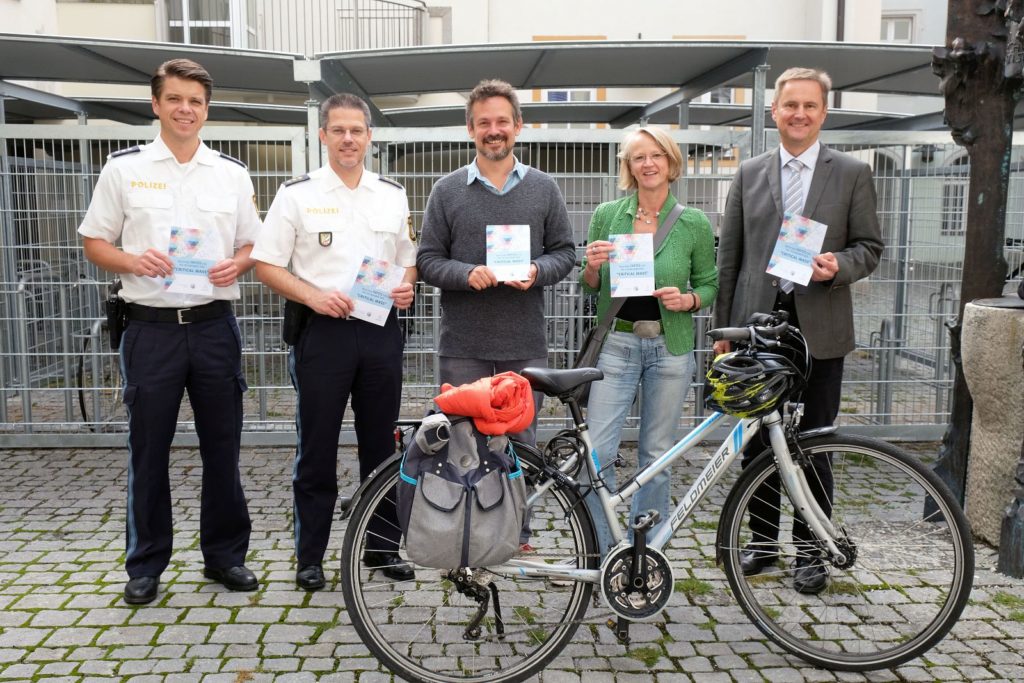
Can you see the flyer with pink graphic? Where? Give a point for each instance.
(799, 241)
(631, 264)
(371, 292)
(193, 253)
(508, 251)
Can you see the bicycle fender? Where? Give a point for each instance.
(346, 508)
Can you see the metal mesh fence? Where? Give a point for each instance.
(57, 374)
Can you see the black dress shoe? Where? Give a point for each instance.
(141, 590)
(753, 560)
(390, 564)
(811, 576)
(310, 577)
(233, 578)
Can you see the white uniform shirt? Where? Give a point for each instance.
(140, 196)
(324, 229)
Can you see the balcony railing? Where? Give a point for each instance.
(303, 26)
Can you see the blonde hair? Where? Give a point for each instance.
(661, 138)
(801, 73)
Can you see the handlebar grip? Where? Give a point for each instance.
(730, 334)
(739, 334)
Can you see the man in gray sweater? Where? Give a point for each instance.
(487, 326)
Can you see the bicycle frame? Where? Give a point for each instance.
(793, 478)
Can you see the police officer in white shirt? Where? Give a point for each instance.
(177, 195)
(324, 224)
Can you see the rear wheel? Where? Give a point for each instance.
(424, 629)
(913, 560)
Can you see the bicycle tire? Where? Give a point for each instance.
(909, 582)
(416, 629)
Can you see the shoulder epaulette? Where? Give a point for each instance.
(122, 152)
(296, 181)
(231, 158)
(389, 181)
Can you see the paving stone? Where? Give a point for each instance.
(23, 637)
(62, 616)
(236, 633)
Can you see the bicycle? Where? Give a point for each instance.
(899, 576)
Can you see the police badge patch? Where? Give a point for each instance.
(326, 238)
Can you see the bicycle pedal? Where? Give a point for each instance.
(647, 520)
(620, 627)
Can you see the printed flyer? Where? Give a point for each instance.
(631, 264)
(508, 251)
(799, 241)
(193, 253)
(371, 292)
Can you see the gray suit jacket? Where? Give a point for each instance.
(842, 196)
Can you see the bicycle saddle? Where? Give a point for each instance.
(559, 382)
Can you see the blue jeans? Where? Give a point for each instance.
(629, 362)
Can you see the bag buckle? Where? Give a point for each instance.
(647, 329)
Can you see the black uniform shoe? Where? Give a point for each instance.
(753, 560)
(811, 576)
(310, 577)
(390, 564)
(141, 590)
(233, 578)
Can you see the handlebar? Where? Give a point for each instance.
(760, 327)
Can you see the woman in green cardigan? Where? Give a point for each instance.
(650, 345)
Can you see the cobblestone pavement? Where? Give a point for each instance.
(61, 614)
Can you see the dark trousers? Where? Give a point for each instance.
(336, 359)
(159, 362)
(821, 401)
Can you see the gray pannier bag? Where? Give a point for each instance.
(461, 496)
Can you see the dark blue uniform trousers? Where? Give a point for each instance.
(159, 361)
(333, 360)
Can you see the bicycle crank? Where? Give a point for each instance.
(638, 597)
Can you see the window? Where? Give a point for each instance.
(898, 29)
(954, 208)
(566, 95)
(716, 96)
(208, 22)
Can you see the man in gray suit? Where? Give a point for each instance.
(828, 187)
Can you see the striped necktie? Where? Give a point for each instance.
(793, 202)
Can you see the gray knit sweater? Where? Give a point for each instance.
(498, 323)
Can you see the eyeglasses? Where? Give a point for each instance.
(641, 159)
(356, 133)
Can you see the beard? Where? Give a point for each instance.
(492, 155)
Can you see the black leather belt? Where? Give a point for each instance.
(181, 316)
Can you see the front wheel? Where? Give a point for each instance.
(433, 628)
(910, 544)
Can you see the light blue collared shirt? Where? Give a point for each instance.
(517, 174)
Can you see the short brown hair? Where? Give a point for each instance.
(487, 89)
(662, 139)
(344, 100)
(800, 73)
(181, 68)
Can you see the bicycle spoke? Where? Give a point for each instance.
(909, 578)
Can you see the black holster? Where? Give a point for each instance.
(117, 314)
(296, 317)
